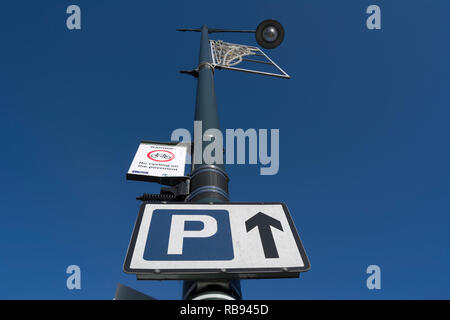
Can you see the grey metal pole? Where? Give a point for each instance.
(209, 182)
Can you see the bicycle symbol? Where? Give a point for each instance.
(160, 155)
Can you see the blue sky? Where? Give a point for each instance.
(364, 153)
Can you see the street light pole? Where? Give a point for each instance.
(209, 182)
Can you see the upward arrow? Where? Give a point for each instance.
(263, 222)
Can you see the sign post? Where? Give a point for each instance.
(209, 183)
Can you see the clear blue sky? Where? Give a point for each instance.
(364, 139)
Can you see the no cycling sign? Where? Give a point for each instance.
(154, 161)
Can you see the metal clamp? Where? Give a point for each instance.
(176, 193)
(204, 189)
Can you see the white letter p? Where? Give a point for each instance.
(178, 233)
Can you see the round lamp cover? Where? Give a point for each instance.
(269, 34)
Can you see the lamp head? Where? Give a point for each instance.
(269, 34)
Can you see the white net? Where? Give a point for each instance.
(230, 54)
(227, 55)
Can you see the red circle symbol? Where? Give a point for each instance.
(160, 155)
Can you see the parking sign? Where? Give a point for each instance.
(226, 240)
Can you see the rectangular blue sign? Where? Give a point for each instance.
(189, 235)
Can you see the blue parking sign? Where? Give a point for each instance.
(189, 235)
